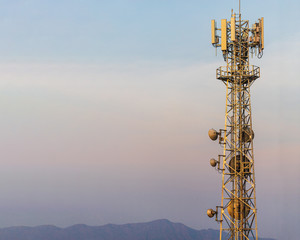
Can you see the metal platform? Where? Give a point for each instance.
(225, 73)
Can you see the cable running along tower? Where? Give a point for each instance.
(237, 213)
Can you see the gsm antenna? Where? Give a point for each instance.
(237, 213)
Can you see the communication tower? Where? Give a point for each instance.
(237, 213)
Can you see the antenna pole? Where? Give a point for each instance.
(239, 7)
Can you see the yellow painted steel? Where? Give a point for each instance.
(237, 214)
(262, 34)
(233, 28)
(213, 32)
(223, 34)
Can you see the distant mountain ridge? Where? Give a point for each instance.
(156, 230)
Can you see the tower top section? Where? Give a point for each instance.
(235, 32)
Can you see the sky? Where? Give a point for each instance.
(105, 108)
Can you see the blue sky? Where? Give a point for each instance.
(119, 30)
(113, 31)
(105, 107)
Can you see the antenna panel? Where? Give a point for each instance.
(223, 34)
(213, 32)
(262, 33)
(233, 28)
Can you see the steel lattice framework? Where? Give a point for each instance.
(237, 213)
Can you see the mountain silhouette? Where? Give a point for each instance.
(155, 230)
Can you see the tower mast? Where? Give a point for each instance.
(237, 213)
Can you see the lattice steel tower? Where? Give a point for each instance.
(237, 213)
